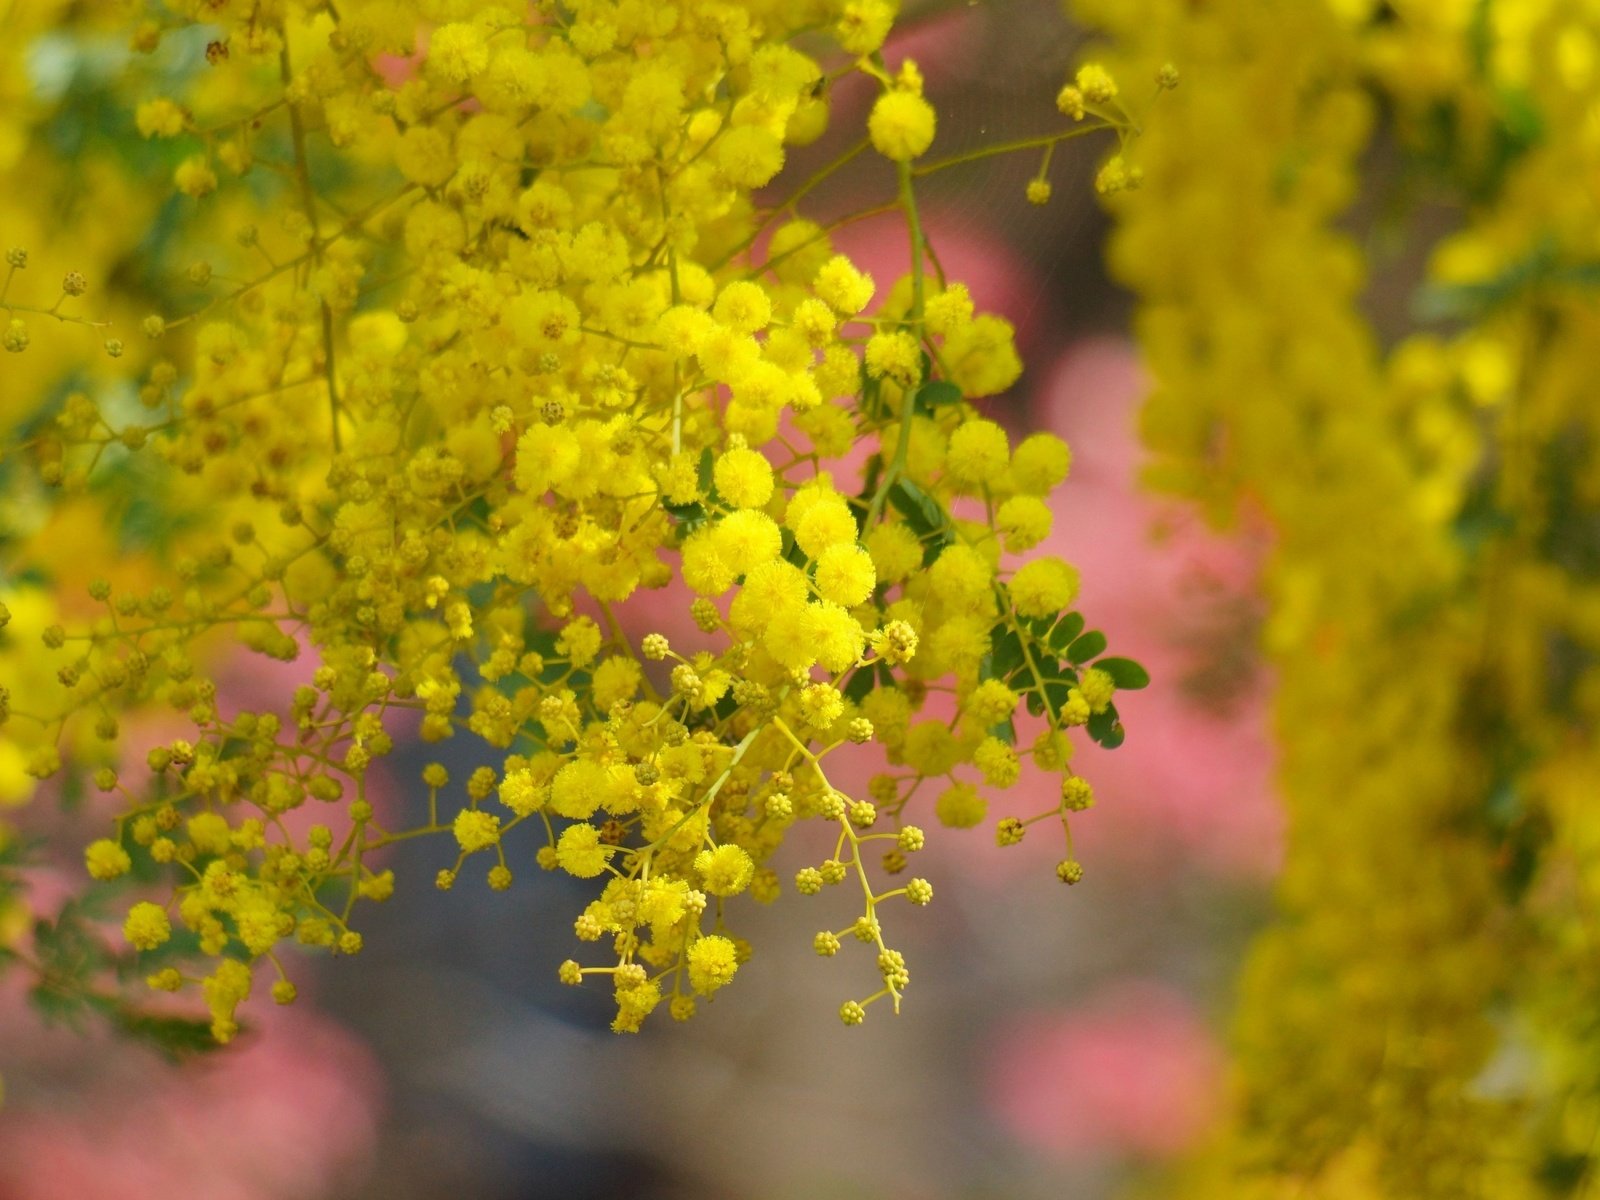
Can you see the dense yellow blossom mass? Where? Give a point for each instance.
(1418, 1021)
(465, 345)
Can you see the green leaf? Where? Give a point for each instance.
(861, 684)
(1086, 647)
(1066, 629)
(921, 511)
(1125, 673)
(1106, 729)
(1006, 651)
(1006, 731)
(691, 514)
(934, 394)
(175, 1037)
(706, 474)
(925, 515)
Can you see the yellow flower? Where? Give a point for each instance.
(901, 125)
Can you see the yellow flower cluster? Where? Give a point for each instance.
(1417, 1021)
(488, 352)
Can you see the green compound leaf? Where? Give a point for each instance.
(1086, 647)
(1128, 675)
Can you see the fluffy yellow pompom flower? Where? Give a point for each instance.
(901, 125)
(746, 539)
(1023, 522)
(713, 960)
(744, 477)
(845, 575)
(106, 860)
(476, 830)
(423, 156)
(842, 287)
(160, 118)
(578, 788)
(457, 52)
(1040, 463)
(194, 176)
(1097, 687)
(896, 551)
(209, 832)
(580, 852)
(727, 870)
(978, 451)
(1044, 587)
(960, 806)
(749, 156)
(147, 926)
(949, 310)
(990, 702)
(896, 356)
(743, 306)
(827, 521)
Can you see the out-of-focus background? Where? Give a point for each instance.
(1055, 1042)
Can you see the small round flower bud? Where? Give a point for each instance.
(911, 839)
(570, 973)
(832, 871)
(16, 258)
(851, 1013)
(283, 992)
(826, 944)
(779, 806)
(1069, 870)
(74, 283)
(500, 877)
(808, 881)
(16, 337)
(114, 347)
(1009, 832)
(919, 892)
(859, 731)
(1039, 191)
(445, 880)
(165, 980)
(1077, 793)
(654, 647)
(705, 615)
